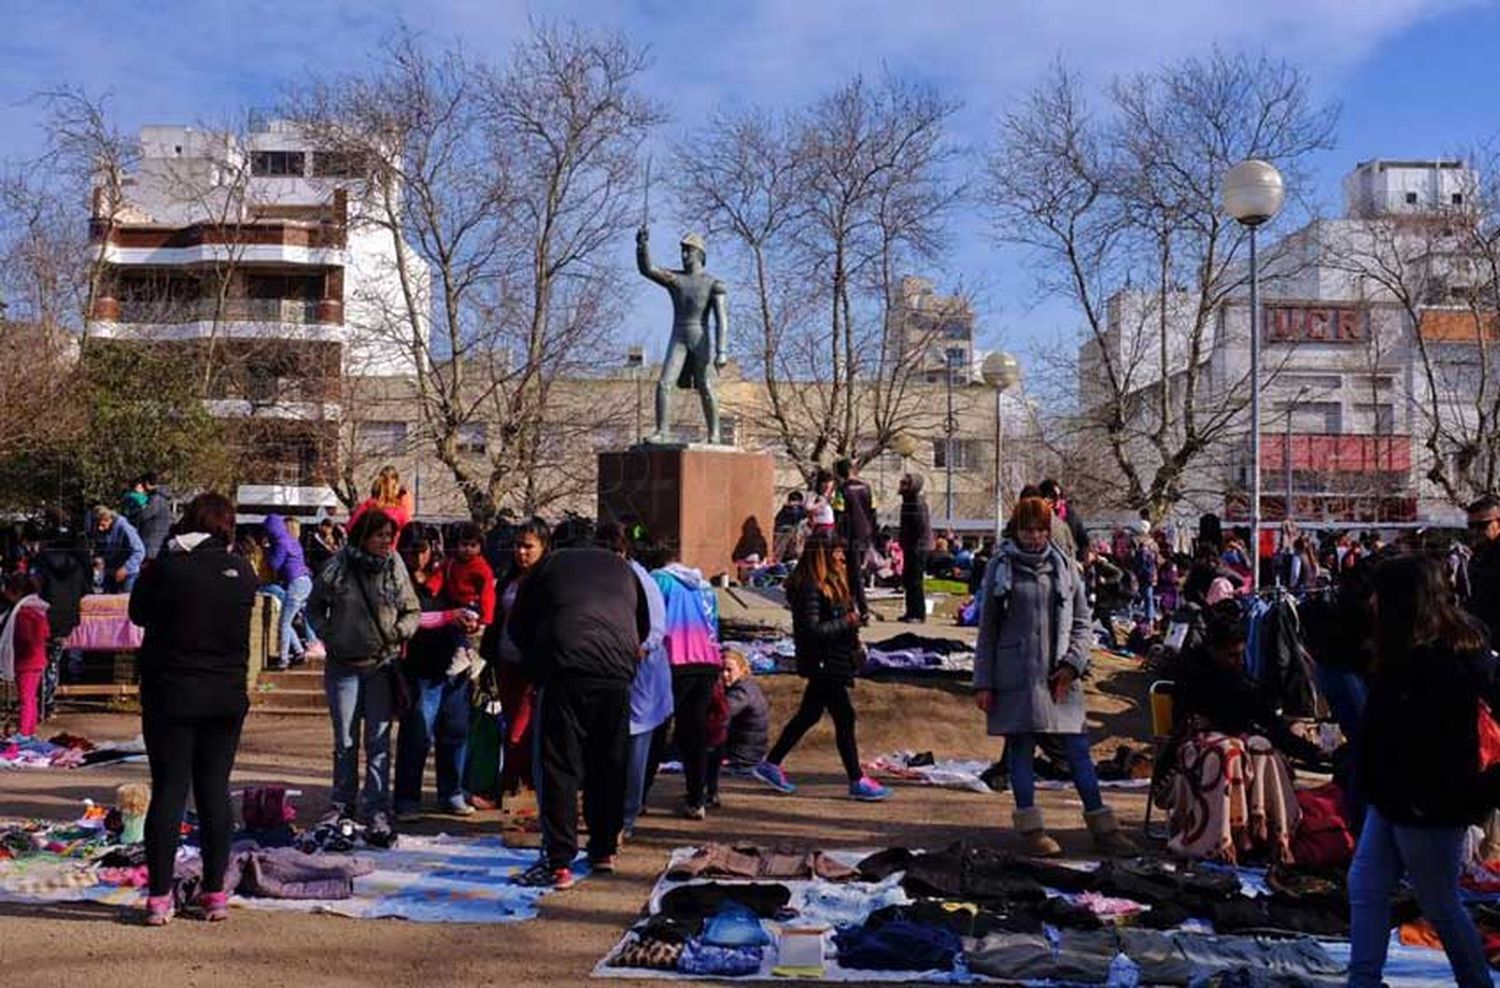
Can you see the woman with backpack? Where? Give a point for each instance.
(1419, 766)
(367, 609)
(825, 629)
(1034, 644)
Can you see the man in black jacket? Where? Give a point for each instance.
(579, 621)
(916, 542)
(1484, 567)
(858, 528)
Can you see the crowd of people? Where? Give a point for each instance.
(596, 653)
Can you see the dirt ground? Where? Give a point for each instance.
(77, 944)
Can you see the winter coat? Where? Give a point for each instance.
(121, 546)
(284, 557)
(749, 723)
(154, 522)
(916, 522)
(651, 700)
(859, 513)
(692, 619)
(580, 616)
(1484, 588)
(364, 608)
(1034, 617)
(1419, 738)
(65, 576)
(195, 604)
(827, 644)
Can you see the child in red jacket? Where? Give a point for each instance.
(468, 582)
(23, 646)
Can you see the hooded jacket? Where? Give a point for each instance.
(916, 519)
(1033, 618)
(364, 607)
(284, 557)
(692, 619)
(194, 604)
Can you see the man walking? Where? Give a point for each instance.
(579, 621)
(858, 528)
(916, 542)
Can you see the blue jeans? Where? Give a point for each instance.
(635, 776)
(1430, 857)
(293, 598)
(439, 717)
(1020, 753)
(1148, 601)
(361, 702)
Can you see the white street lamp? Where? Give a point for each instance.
(1002, 372)
(1253, 193)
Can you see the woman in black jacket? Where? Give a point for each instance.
(194, 603)
(916, 541)
(1419, 766)
(825, 629)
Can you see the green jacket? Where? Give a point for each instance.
(364, 609)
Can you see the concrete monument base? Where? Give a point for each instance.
(714, 503)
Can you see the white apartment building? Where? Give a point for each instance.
(254, 254)
(1342, 399)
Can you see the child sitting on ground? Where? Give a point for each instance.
(749, 715)
(468, 582)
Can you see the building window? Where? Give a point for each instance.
(965, 454)
(263, 386)
(1458, 199)
(472, 438)
(278, 164)
(381, 437)
(338, 164)
(1411, 198)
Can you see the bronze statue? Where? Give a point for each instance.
(694, 355)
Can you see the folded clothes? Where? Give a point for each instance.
(694, 903)
(899, 945)
(649, 954)
(280, 873)
(703, 958)
(749, 861)
(734, 925)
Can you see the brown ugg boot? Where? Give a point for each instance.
(1106, 833)
(1033, 830)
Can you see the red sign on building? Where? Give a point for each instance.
(1314, 324)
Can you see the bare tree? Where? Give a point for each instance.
(828, 207)
(501, 188)
(1131, 198)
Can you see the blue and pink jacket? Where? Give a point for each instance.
(692, 621)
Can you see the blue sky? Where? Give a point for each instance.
(1414, 77)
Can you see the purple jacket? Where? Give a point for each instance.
(284, 556)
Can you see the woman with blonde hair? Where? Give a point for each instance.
(825, 629)
(389, 496)
(1034, 645)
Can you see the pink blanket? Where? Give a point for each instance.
(104, 625)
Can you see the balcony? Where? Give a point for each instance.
(1335, 453)
(300, 312)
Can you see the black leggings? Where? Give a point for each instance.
(199, 751)
(823, 694)
(691, 695)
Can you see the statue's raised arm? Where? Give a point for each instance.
(643, 259)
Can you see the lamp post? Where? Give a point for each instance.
(1002, 372)
(950, 425)
(1253, 193)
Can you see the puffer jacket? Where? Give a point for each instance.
(364, 608)
(827, 644)
(284, 557)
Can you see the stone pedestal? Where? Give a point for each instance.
(714, 503)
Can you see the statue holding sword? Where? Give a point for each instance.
(695, 354)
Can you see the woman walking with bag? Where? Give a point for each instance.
(1419, 767)
(825, 628)
(1033, 648)
(364, 601)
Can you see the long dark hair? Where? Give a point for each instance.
(1415, 607)
(817, 570)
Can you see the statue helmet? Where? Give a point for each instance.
(696, 242)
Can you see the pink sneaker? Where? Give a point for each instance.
(215, 906)
(159, 909)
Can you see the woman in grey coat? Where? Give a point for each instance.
(1034, 644)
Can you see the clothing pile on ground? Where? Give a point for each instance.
(970, 913)
(910, 654)
(329, 868)
(66, 751)
(1127, 770)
